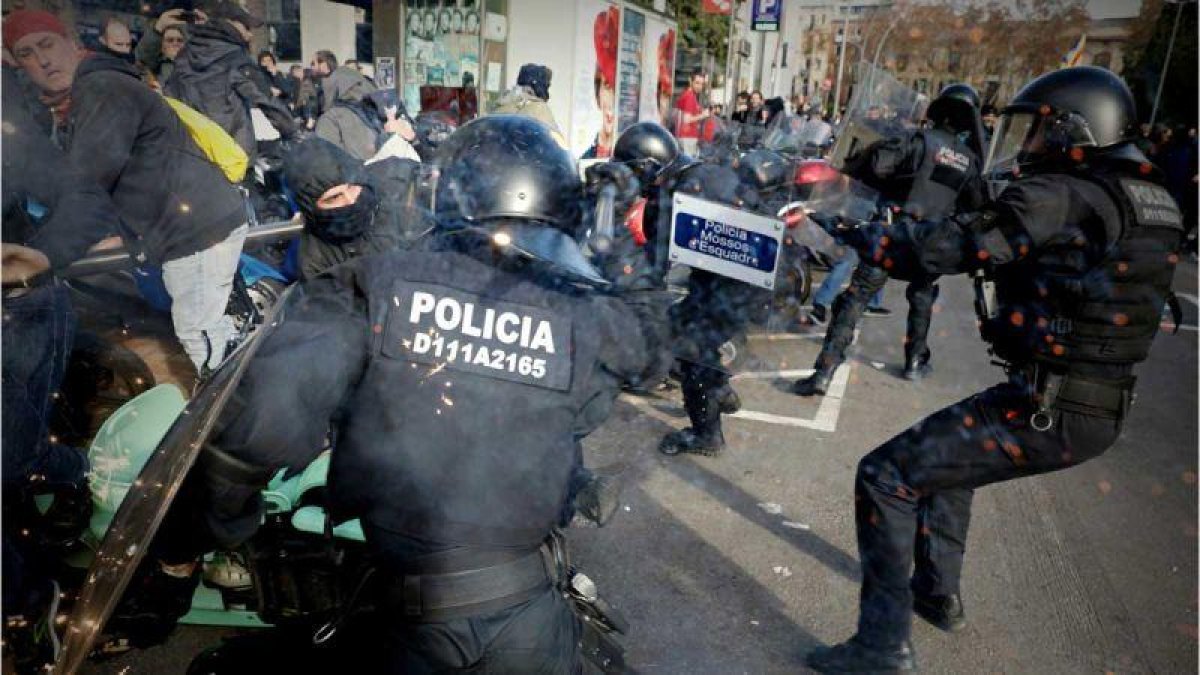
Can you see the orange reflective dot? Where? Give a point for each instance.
(968, 421)
(989, 444)
(1049, 339)
(925, 531)
(1042, 322)
(1173, 258)
(1017, 319)
(887, 264)
(1059, 350)
(1120, 319)
(1146, 168)
(1010, 415)
(1077, 154)
(1012, 449)
(983, 255)
(1123, 267)
(1044, 110)
(1023, 249)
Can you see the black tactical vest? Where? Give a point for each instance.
(1098, 299)
(931, 191)
(463, 427)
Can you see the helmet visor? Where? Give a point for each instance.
(1011, 143)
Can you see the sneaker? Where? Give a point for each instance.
(819, 314)
(32, 639)
(877, 312)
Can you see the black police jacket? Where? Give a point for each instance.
(928, 173)
(1082, 262)
(456, 390)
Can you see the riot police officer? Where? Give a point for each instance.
(923, 174)
(458, 380)
(1074, 262)
(716, 308)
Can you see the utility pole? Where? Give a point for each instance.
(837, 91)
(729, 52)
(1162, 78)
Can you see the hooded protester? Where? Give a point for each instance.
(529, 98)
(350, 122)
(215, 75)
(351, 209)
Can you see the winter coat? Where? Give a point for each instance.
(172, 200)
(79, 212)
(348, 123)
(214, 74)
(522, 101)
(149, 54)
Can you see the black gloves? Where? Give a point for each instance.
(619, 176)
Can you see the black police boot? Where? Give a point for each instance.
(689, 440)
(853, 656)
(814, 385)
(916, 368)
(728, 400)
(941, 611)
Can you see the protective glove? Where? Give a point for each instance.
(619, 176)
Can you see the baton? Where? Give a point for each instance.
(602, 237)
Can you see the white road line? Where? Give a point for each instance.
(1190, 298)
(827, 414)
(784, 337)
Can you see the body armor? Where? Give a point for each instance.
(1096, 298)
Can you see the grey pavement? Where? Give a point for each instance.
(742, 563)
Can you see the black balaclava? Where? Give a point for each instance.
(317, 165)
(537, 78)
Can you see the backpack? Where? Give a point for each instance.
(216, 144)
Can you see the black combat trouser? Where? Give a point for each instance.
(852, 302)
(913, 494)
(539, 635)
(716, 310)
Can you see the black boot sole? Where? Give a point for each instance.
(939, 620)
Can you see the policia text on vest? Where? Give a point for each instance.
(441, 326)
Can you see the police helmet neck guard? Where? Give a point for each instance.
(1062, 117)
(648, 149)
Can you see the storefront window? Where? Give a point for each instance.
(441, 56)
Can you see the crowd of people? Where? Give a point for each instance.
(150, 147)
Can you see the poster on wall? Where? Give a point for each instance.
(658, 71)
(594, 114)
(633, 25)
(385, 72)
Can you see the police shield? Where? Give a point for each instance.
(881, 106)
(724, 240)
(145, 506)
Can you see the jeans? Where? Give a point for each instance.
(39, 328)
(838, 274)
(200, 285)
(913, 494)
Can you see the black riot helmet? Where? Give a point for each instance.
(1062, 115)
(957, 107)
(648, 149)
(504, 176)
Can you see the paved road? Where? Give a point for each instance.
(742, 563)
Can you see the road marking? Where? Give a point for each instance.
(784, 337)
(1190, 298)
(827, 414)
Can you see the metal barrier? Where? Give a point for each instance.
(112, 260)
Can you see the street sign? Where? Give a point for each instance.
(766, 15)
(725, 240)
